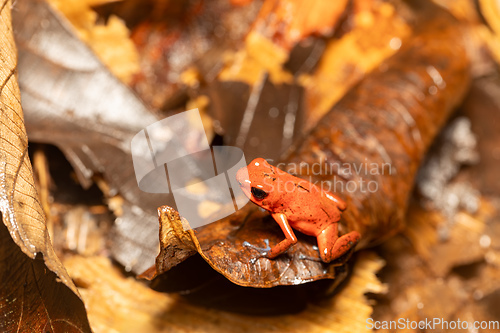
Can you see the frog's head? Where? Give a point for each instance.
(257, 181)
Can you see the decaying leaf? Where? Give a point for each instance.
(228, 247)
(177, 242)
(32, 294)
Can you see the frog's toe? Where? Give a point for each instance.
(262, 250)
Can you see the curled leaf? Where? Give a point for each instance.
(176, 243)
(230, 247)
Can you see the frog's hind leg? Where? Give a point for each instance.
(331, 246)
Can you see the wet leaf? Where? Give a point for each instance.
(230, 246)
(38, 293)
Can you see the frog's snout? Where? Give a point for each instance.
(243, 180)
(242, 176)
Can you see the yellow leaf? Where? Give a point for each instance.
(109, 41)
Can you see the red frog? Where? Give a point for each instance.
(298, 204)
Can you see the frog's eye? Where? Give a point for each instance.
(258, 193)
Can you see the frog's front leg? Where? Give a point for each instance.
(287, 242)
(331, 246)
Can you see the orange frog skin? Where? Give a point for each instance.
(298, 204)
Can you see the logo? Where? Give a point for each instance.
(173, 156)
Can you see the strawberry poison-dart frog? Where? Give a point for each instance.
(298, 204)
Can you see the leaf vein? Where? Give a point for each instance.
(3, 6)
(16, 174)
(4, 83)
(22, 309)
(40, 294)
(11, 121)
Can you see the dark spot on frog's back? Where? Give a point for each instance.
(303, 188)
(268, 175)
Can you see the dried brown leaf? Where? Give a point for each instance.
(37, 298)
(458, 277)
(441, 257)
(224, 245)
(176, 244)
(279, 26)
(32, 298)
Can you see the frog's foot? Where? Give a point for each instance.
(332, 247)
(344, 257)
(263, 251)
